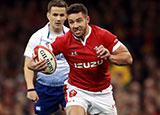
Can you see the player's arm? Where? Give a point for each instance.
(29, 76)
(120, 56)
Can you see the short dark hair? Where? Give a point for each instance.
(56, 3)
(76, 8)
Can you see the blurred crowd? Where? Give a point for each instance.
(135, 22)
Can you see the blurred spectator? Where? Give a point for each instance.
(121, 75)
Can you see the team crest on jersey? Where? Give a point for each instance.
(72, 93)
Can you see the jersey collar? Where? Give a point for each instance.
(49, 32)
(85, 38)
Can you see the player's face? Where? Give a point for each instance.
(78, 23)
(57, 16)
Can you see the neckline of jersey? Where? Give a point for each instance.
(85, 38)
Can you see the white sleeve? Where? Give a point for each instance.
(33, 42)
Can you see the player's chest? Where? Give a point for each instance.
(78, 51)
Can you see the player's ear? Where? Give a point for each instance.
(88, 19)
(65, 16)
(48, 16)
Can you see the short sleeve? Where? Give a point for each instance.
(109, 40)
(33, 42)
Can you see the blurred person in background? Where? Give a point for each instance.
(48, 92)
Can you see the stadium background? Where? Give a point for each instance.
(135, 22)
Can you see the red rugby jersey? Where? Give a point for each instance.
(87, 70)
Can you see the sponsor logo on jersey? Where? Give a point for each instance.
(88, 64)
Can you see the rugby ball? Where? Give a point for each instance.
(43, 52)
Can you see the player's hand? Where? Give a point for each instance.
(103, 52)
(37, 66)
(33, 96)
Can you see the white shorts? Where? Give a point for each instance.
(101, 103)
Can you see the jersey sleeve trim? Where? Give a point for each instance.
(116, 46)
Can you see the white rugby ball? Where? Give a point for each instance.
(43, 52)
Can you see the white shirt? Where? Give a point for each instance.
(43, 37)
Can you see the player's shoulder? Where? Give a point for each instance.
(37, 34)
(41, 31)
(67, 35)
(64, 39)
(100, 31)
(36, 37)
